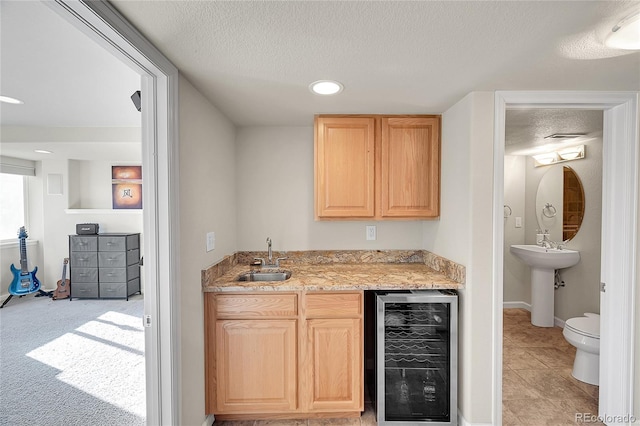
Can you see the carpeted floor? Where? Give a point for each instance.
(72, 363)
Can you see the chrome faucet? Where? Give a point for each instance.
(270, 253)
(268, 263)
(546, 242)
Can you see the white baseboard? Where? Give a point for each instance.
(209, 420)
(515, 305)
(463, 422)
(524, 305)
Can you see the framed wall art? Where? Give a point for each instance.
(126, 186)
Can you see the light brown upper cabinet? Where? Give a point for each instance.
(377, 167)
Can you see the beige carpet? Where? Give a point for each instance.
(77, 362)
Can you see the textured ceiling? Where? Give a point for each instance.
(66, 81)
(255, 59)
(526, 129)
(64, 78)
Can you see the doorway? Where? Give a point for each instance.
(102, 23)
(619, 241)
(562, 195)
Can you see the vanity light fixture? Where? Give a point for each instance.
(42, 151)
(326, 87)
(560, 156)
(564, 136)
(10, 100)
(626, 33)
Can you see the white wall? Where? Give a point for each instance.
(464, 234)
(207, 203)
(516, 274)
(275, 199)
(57, 225)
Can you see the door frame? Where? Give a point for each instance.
(159, 88)
(619, 236)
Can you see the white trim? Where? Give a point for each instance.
(516, 305)
(463, 422)
(103, 24)
(209, 420)
(619, 236)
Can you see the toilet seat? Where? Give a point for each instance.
(587, 326)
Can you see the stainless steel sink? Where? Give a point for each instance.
(264, 276)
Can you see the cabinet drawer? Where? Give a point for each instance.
(133, 257)
(118, 242)
(112, 259)
(332, 305)
(120, 259)
(84, 259)
(256, 305)
(84, 275)
(113, 275)
(112, 243)
(84, 290)
(113, 290)
(88, 243)
(133, 286)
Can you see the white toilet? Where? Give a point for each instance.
(584, 334)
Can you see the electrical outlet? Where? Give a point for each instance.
(211, 241)
(371, 232)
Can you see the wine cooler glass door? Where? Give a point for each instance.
(415, 353)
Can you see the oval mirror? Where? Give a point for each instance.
(560, 203)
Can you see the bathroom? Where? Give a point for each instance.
(533, 197)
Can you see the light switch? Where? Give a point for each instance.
(371, 232)
(518, 222)
(211, 241)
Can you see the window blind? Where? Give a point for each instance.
(17, 166)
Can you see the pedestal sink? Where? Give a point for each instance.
(543, 263)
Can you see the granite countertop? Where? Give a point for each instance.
(337, 276)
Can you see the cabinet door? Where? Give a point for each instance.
(334, 363)
(344, 167)
(410, 167)
(256, 366)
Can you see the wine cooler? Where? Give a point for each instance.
(416, 357)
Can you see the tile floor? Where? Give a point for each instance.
(537, 386)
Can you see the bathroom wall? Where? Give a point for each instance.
(516, 273)
(581, 291)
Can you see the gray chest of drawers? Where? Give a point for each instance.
(105, 266)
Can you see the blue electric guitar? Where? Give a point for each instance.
(24, 282)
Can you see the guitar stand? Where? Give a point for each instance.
(41, 293)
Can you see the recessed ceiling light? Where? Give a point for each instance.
(42, 151)
(10, 100)
(325, 87)
(626, 34)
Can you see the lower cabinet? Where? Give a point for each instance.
(284, 355)
(256, 365)
(334, 355)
